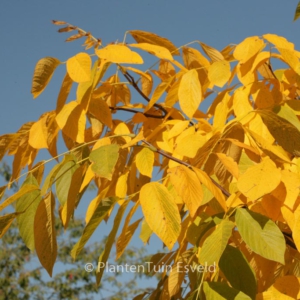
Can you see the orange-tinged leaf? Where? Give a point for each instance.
(43, 72)
(99, 109)
(161, 212)
(144, 161)
(151, 38)
(5, 222)
(45, 234)
(259, 180)
(119, 54)
(187, 186)
(64, 92)
(288, 286)
(189, 93)
(79, 67)
(71, 119)
(69, 206)
(159, 51)
(219, 72)
(229, 164)
(147, 85)
(248, 48)
(205, 179)
(292, 185)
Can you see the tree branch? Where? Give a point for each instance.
(136, 111)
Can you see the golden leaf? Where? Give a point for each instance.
(248, 48)
(71, 119)
(151, 38)
(219, 72)
(145, 161)
(119, 54)
(187, 186)
(161, 212)
(43, 72)
(158, 51)
(259, 180)
(79, 67)
(189, 93)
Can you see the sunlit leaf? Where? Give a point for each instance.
(159, 51)
(261, 234)
(79, 67)
(144, 161)
(219, 72)
(119, 54)
(161, 212)
(189, 93)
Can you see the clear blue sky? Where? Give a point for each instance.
(27, 35)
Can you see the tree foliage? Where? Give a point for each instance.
(210, 154)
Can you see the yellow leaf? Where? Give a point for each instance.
(151, 38)
(79, 67)
(45, 234)
(187, 186)
(229, 164)
(161, 212)
(189, 93)
(292, 185)
(139, 72)
(259, 180)
(27, 188)
(212, 53)
(221, 113)
(190, 144)
(159, 51)
(205, 179)
(279, 41)
(160, 89)
(178, 128)
(43, 72)
(71, 119)
(63, 93)
(147, 85)
(119, 54)
(248, 48)
(121, 186)
(145, 161)
(219, 72)
(38, 134)
(89, 175)
(296, 227)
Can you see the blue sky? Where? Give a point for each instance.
(27, 35)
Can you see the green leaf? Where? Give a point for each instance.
(215, 244)
(110, 241)
(105, 159)
(63, 181)
(28, 203)
(297, 12)
(103, 206)
(261, 234)
(52, 174)
(221, 291)
(238, 272)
